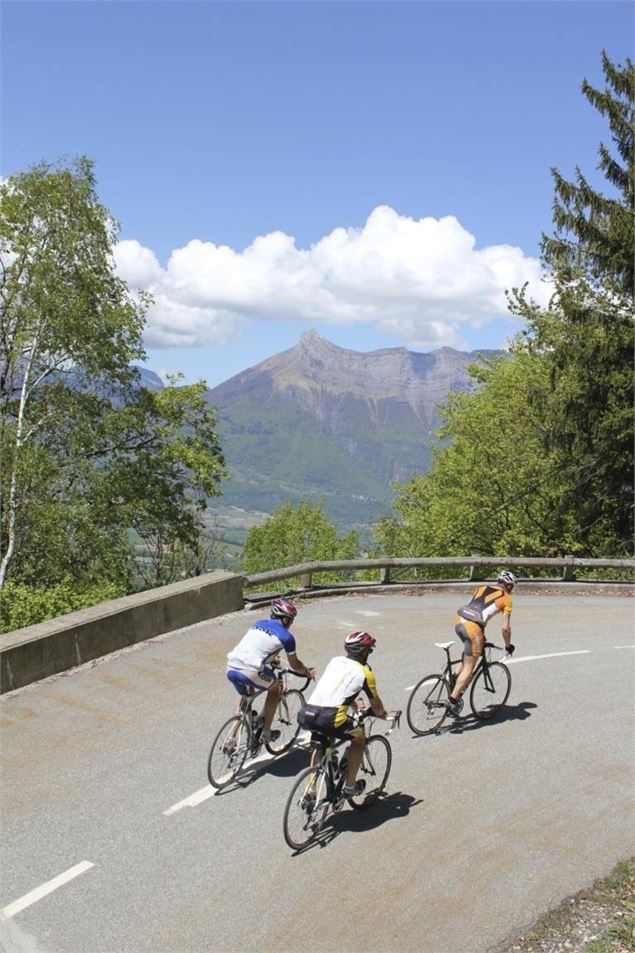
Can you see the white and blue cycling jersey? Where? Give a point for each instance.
(262, 642)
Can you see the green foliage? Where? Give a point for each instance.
(585, 337)
(540, 460)
(22, 605)
(296, 534)
(492, 490)
(88, 454)
(594, 232)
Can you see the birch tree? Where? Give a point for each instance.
(64, 316)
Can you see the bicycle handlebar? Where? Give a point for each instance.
(394, 717)
(289, 671)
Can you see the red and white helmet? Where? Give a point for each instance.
(359, 643)
(283, 609)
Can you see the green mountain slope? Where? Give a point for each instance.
(325, 422)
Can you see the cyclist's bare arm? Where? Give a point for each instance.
(299, 667)
(507, 628)
(378, 708)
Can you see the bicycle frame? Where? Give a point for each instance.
(483, 663)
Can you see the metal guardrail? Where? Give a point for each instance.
(478, 566)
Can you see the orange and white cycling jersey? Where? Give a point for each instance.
(486, 601)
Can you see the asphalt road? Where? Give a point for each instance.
(112, 840)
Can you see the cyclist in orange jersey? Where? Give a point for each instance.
(486, 602)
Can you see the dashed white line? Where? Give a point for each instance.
(624, 646)
(204, 794)
(197, 798)
(34, 895)
(533, 658)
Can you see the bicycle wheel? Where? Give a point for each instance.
(231, 747)
(306, 808)
(374, 769)
(426, 710)
(490, 693)
(285, 721)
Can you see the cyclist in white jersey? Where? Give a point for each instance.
(327, 709)
(248, 664)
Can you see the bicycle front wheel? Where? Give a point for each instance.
(285, 721)
(306, 808)
(427, 710)
(231, 747)
(374, 769)
(490, 690)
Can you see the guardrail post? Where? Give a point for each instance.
(568, 574)
(384, 575)
(306, 580)
(476, 573)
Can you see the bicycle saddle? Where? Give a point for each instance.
(445, 645)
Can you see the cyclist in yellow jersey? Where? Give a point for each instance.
(327, 711)
(486, 602)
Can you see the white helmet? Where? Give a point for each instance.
(507, 578)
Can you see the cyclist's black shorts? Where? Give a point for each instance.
(321, 720)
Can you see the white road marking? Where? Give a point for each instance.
(34, 895)
(366, 612)
(624, 646)
(197, 798)
(204, 794)
(533, 658)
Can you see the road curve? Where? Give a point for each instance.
(112, 842)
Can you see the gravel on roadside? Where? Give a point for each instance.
(598, 919)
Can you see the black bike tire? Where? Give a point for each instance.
(367, 798)
(485, 713)
(216, 781)
(292, 804)
(272, 747)
(412, 704)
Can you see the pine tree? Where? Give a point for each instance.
(594, 232)
(585, 336)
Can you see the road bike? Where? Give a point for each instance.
(490, 688)
(318, 791)
(239, 738)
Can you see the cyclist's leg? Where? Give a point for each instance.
(473, 642)
(246, 683)
(355, 753)
(274, 692)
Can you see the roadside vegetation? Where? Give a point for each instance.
(90, 458)
(598, 919)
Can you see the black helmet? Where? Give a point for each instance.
(359, 643)
(283, 609)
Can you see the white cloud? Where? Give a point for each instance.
(419, 280)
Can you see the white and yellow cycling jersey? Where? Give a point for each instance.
(342, 681)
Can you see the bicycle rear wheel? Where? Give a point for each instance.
(285, 721)
(306, 808)
(229, 750)
(490, 690)
(426, 709)
(374, 769)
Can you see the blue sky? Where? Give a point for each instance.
(378, 171)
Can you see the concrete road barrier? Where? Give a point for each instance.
(38, 651)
